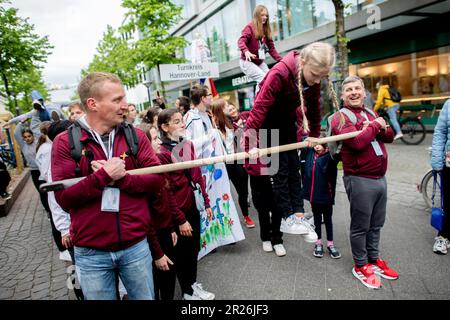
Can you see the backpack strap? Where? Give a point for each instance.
(131, 138)
(350, 115)
(75, 145)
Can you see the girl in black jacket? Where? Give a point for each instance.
(319, 174)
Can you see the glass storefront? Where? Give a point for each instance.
(420, 76)
(287, 18)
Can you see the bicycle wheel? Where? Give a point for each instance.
(426, 187)
(413, 131)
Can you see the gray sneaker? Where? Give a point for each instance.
(318, 251)
(334, 253)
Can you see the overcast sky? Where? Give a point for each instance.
(74, 28)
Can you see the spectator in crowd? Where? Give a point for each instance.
(5, 178)
(172, 128)
(440, 162)
(183, 104)
(384, 100)
(75, 111)
(236, 171)
(130, 116)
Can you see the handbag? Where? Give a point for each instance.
(437, 213)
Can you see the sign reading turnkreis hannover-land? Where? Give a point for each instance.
(188, 71)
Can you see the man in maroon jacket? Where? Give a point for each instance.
(365, 163)
(109, 211)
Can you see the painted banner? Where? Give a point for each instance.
(225, 226)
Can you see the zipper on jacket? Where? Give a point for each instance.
(313, 176)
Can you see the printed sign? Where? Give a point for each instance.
(188, 71)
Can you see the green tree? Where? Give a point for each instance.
(114, 55)
(21, 53)
(342, 40)
(120, 53)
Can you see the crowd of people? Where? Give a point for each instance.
(135, 235)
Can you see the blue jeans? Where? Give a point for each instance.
(97, 271)
(392, 112)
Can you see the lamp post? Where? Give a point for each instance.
(148, 83)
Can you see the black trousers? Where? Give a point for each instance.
(327, 211)
(5, 178)
(164, 281)
(186, 253)
(445, 232)
(43, 195)
(264, 201)
(239, 178)
(287, 184)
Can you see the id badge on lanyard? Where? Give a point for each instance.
(110, 199)
(375, 144)
(110, 195)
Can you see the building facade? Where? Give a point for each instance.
(404, 42)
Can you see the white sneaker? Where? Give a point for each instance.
(441, 245)
(201, 293)
(267, 246)
(65, 256)
(190, 297)
(292, 226)
(398, 136)
(310, 235)
(279, 250)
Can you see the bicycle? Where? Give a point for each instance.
(426, 187)
(7, 154)
(412, 127)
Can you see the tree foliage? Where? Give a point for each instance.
(141, 43)
(22, 53)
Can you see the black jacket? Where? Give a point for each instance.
(319, 174)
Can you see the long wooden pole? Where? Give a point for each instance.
(63, 184)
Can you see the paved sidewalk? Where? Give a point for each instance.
(30, 267)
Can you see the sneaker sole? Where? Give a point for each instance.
(309, 240)
(318, 255)
(250, 226)
(440, 252)
(386, 277)
(338, 257)
(383, 275)
(280, 255)
(292, 232)
(364, 283)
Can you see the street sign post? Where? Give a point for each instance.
(188, 71)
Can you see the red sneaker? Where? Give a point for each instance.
(249, 222)
(367, 277)
(380, 268)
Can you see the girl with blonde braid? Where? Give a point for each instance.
(288, 102)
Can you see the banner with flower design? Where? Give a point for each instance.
(224, 227)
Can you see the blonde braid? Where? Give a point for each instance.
(333, 95)
(302, 100)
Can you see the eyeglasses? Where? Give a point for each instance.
(209, 94)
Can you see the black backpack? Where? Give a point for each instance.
(395, 95)
(76, 149)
